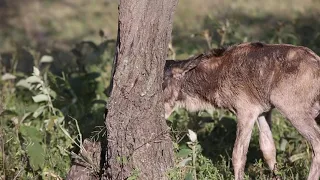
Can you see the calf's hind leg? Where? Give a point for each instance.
(266, 142)
(308, 128)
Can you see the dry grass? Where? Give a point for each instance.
(60, 24)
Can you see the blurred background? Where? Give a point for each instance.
(49, 109)
(60, 24)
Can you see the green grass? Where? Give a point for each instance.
(80, 78)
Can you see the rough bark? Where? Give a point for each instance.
(137, 135)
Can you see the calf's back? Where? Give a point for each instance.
(249, 73)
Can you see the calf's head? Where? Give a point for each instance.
(174, 78)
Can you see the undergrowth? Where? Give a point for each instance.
(215, 138)
(46, 114)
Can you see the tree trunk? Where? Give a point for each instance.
(137, 134)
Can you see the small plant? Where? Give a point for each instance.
(193, 145)
(187, 156)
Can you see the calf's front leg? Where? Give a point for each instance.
(245, 122)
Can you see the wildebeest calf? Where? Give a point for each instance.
(250, 79)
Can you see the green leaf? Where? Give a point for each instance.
(60, 119)
(24, 83)
(9, 113)
(38, 112)
(184, 162)
(188, 176)
(34, 79)
(36, 155)
(8, 76)
(283, 144)
(192, 135)
(296, 157)
(36, 71)
(134, 175)
(40, 98)
(99, 101)
(92, 75)
(31, 133)
(184, 153)
(46, 59)
(25, 116)
(38, 86)
(53, 94)
(63, 150)
(51, 123)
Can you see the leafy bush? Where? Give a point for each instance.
(38, 126)
(34, 143)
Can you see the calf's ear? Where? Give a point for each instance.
(192, 63)
(188, 65)
(178, 68)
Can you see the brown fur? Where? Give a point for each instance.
(250, 79)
